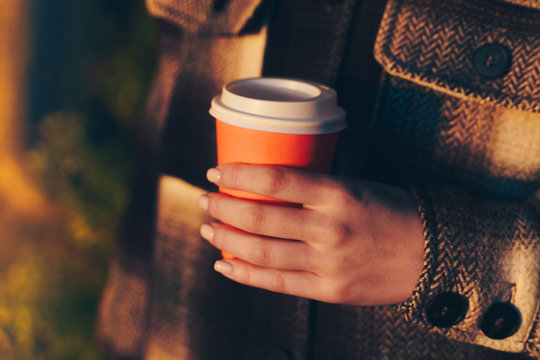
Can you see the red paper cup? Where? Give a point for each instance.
(277, 121)
(240, 145)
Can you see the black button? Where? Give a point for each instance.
(279, 354)
(491, 61)
(500, 321)
(446, 309)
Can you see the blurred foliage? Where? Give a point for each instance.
(89, 180)
(81, 154)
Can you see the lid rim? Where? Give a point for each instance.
(306, 127)
(252, 106)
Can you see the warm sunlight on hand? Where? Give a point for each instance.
(351, 242)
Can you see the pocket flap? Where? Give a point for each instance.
(486, 50)
(212, 16)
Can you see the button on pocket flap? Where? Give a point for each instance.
(212, 16)
(484, 49)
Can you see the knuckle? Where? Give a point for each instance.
(337, 191)
(257, 218)
(262, 255)
(274, 180)
(277, 282)
(342, 195)
(337, 232)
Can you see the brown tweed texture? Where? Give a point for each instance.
(481, 220)
(472, 146)
(433, 42)
(467, 148)
(206, 16)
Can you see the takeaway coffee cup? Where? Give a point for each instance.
(277, 121)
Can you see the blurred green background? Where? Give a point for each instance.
(88, 72)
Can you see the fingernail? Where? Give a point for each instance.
(203, 202)
(223, 267)
(213, 175)
(207, 232)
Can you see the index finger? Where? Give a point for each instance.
(276, 182)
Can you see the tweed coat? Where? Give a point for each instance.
(443, 99)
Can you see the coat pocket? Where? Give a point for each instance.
(485, 50)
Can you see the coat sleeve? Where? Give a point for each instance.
(481, 273)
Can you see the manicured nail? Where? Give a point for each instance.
(213, 175)
(203, 202)
(207, 232)
(223, 267)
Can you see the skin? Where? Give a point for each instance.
(350, 242)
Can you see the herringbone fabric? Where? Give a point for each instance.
(205, 16)
(500, 238)
(476, 146)
(433, 43)
(467, 148)
(473, 207)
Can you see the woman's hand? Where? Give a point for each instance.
(351, 242)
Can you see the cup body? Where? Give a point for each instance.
(276, 121)
(312, 152)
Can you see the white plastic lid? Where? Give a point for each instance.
(281, 105)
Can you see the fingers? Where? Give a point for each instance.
(273, 181)
(267, 252)
(298, 283)
(276, 247)
(265, 219)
